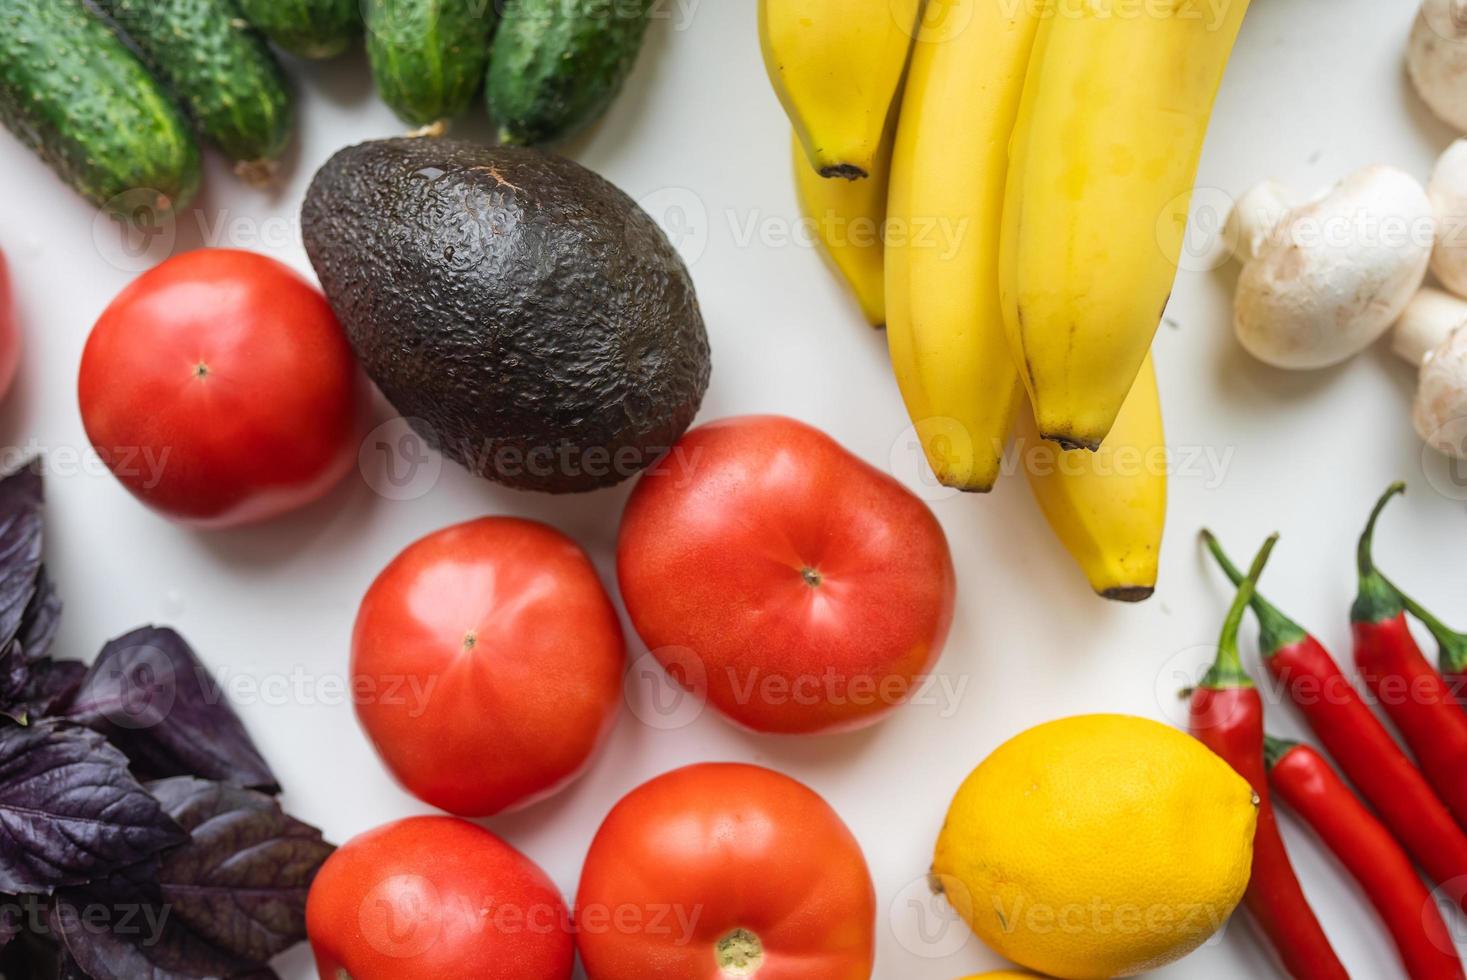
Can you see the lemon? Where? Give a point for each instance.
(1097, 846)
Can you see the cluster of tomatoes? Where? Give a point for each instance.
(789, 585)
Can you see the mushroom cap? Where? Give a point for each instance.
(1440, 412)
(1447, 190)
(1436, 60)
(1257, 215)
(1337, 273)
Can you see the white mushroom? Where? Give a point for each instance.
(1430, 336)
(1436, 59)
(1258, 214)
(1447, 190)
(1334, 273)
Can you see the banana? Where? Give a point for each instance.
(944, 320)
(836, 66)
(848, 217)
(1101, 170)
(1108, 508)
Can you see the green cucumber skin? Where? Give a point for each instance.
(73, 92)
(556, 64)
(217, 66)
(307, 28)
(428, 56)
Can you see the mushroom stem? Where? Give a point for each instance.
(1258, 214)
(1429, 319)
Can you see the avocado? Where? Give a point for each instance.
(521, 312)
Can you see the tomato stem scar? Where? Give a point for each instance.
(740, 953)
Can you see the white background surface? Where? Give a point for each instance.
(1315, 90)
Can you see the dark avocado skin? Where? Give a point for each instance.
(525, 315)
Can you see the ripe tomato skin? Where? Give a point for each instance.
(688, 858)
(806, 590)
(487, 663)
(220, 389)
(428, 898)
(9, 331)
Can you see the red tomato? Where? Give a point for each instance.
(434, 898)
(798, 588)
(486, 665)
(219, 388)
(722, 870)
(9, 331)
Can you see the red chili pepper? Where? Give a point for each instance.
(1413, 694)
(1357, 741)
(1309, 785)
(1227, 717)
(1451, 659)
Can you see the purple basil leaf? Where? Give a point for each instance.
(70, 970)
(20, 547)
(52, 682)
(15, 676)
(111, 936)
(41, 619)
(70, 810)
(32, 690)
(12, 919)
(35, 952)
(153, 698)
(241, 883)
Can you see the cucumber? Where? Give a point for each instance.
(556, 64)
(428, 56)
(74, 93)
(221, 71)
(308, 28)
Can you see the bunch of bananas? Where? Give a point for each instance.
(1030, 163)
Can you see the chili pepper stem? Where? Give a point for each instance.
(1275, 630)
(1377, 600)
(1274, 749)
(1453, 645)
(1227, 670)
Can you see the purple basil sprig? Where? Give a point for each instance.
(196, 875)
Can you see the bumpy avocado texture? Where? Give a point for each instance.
(520, 311)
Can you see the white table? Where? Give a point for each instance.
(1316, 89)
